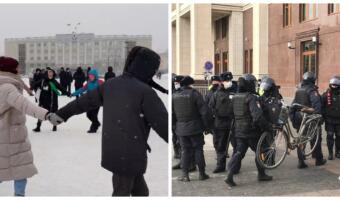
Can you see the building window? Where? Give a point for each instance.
(287, 14)
(224, 22)
(225, 61)
(308, 12)
(308, 57)
(248, 61)
(217, 63)
(333, 8)
(221, 28)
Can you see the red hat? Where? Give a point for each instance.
(8, 64)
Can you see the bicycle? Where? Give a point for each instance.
(272, 148)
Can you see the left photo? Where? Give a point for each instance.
(84, 100)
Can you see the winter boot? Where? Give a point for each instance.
(203, 176)
(54, 128)
(320, 162)
(37, 129)
(230, 180)
(330, 155)
(184, 177)
(264, 177)
(302, 164)
(221, 161)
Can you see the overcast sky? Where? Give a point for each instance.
(31, 20)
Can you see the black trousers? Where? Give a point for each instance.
(68, 88)
(175, 142)
(242, 146)
(333, 130)
(192, 146)
(129, 185)
(93, 116)
(220, 139)
(317, 151)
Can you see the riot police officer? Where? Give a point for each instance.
(331, 113)
(307, 94)
(270, 100)
(221, 106)
(249, 124)
(192, 118)
(215, 83)
(176, 87)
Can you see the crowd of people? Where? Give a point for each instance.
(237, 113)
(130, 109)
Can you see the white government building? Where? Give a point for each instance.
(73, 50)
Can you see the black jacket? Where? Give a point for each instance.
(130, 108)
(109, 75)
(79, 78)
(63, 78)
(49, 99)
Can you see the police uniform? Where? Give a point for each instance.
(221, 105)
(331, 113)
(307, 94)
(249, 119)
(192, 116)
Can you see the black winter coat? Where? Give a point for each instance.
(109, 75)
(79, 78)
(130, 108)
(49, 99)
(63, 78)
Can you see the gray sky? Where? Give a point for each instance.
(31, 20)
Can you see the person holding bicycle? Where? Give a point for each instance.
(331, 114)
(249, 125)
(307, 94)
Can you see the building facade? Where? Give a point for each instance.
(227, 35)
(69, 50)
(303, 37)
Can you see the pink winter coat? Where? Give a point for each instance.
(16, 158)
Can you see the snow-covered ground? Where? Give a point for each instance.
(68, 160)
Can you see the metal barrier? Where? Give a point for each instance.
(203, 89)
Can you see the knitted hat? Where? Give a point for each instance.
(8, 64)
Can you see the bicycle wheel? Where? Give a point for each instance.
(272, 149)
(314, 138)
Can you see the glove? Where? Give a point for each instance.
(54, 119)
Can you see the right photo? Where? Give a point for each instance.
(255, 99)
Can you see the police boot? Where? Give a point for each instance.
(177, 166)
(203, 176)
(320, 162)
(221, 160)
(184, 177)
(337, 154)
(302, 164)
(230, 180)
(330, 145)
(262, 176)
(54, 128)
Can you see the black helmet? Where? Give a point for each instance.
(186, 81)
(247, 83)
(226, 76)
(215, 78)
(309, 77)
(335, 80)
(267, 83)
(177, 78)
